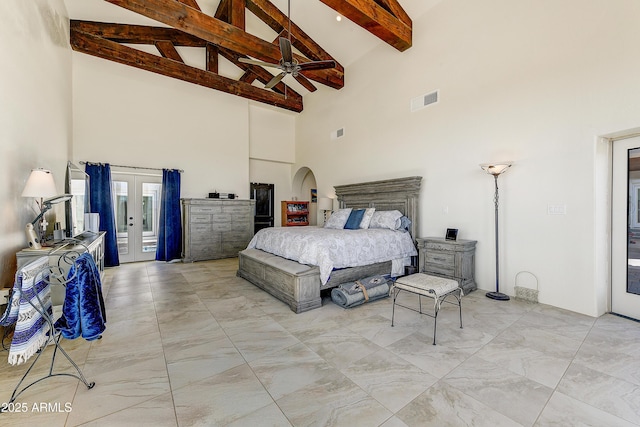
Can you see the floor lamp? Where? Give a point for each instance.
(496, 169)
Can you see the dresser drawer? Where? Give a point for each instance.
(205, 209)
(198, 229)
(199, 218)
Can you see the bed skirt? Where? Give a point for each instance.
(295, 284)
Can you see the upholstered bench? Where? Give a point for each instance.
(434, 287)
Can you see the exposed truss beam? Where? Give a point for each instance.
(107, 49)
(192, 21)
(384, 18)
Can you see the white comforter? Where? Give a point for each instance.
(329, 248)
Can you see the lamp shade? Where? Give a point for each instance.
(40, 184)
(325, 203)
(495, 168)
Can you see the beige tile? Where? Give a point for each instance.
(333, 401)
(515, 396)
(192, 344)
(564, 411)
(156, 412)
(289, 370)
(389, 379)
(445, 406)
(613, 395)
(221, 399)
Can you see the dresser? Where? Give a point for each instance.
(215, 228)
(453, 259)
(87, 241)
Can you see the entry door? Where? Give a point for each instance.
(137, 207)
(263, 195)
(625, 233)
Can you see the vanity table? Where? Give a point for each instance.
(87, 241)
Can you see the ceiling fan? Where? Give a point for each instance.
(288, 64)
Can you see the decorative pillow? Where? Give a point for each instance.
(404, 224)
(354, 220)
(338, 219)
(366, 219)
(385, 219)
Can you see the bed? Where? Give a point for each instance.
(299, 284)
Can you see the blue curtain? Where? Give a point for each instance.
(101, 202)
(170, 233)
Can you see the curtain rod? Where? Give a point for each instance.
(82, 162)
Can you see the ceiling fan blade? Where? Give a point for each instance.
(260, 63)
(285, 49)
(274, 81)
(317, 65)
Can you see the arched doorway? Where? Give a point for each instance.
(304, 181)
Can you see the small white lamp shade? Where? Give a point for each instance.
(496, 168)
(40, 184)
(325, 204)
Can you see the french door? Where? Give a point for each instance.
(625, 228)
(136, 201)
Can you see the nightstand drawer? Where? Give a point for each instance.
(440, 258)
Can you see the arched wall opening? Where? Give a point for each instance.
(303, 182)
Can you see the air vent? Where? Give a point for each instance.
(337, 133)
(419, 102)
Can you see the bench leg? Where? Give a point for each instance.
(393, 306)
(460, 305)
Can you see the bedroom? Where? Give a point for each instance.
(533, 82)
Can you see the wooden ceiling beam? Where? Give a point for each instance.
(168, 50)
(237, 9)
(198, 24)
(136, 34)
(279, 22)
(113, 51)
(211, 55)
(191, 3)
(389, 23)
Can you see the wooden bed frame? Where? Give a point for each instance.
(299, 285)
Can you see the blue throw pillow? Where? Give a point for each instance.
(355, 218)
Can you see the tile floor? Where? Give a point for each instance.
(192, 344)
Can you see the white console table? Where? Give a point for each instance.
(87, 241)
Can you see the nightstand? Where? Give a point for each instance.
(452, 259)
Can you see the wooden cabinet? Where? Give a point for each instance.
(215, 228)
(294, 213)
(453, 259)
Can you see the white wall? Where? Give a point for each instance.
(535, 82)
(132, 117)
(35, 112)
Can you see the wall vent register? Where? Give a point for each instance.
(419, 102)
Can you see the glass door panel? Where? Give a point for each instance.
(137, 207)
(625, 228)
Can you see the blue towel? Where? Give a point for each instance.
(83, 311)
